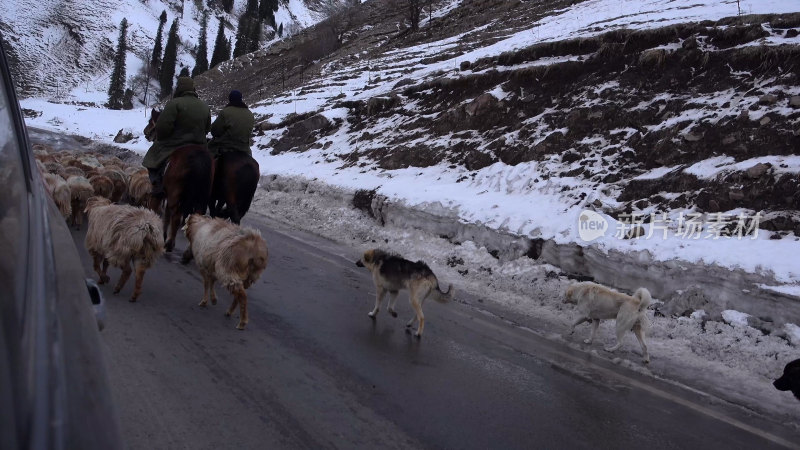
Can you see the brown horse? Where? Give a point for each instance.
(236, 176)
(187, 183)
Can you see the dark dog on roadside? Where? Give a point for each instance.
(790, 380)
(391, 273)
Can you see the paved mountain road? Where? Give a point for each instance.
(313, 371)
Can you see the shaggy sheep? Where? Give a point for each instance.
(80, 191)
(103, 186)
(53, 167)
(233, 255)
(120, 182)
(130, 170)
(140, 188)
(60, 192)
(70, 171)
(119, 235)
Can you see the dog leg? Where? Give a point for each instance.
(241, 295)
(233, 305)
(206, 283)
(378, 299)
(211, 282)
(420, 317)
(595, 325)
(137, 289)
(639, 332)
(126, 273)
(579, 321)
(621, 329)
(392, 300)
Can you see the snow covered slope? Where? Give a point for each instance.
(64, 48)
(519, 116)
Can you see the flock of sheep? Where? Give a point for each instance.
(124, 233)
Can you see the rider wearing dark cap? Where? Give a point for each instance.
(185, 120)
(232, 128)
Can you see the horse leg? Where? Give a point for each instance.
(174, 224)
(233, 209)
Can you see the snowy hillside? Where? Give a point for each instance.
(63, 49)
(519, 119)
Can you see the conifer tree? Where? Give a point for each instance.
(252, 8)
(255, 35)
(155, 60)
(280, 30)
(116, 87)
(221, 52)
(201, 59)
(168, 63)
(227, 5)
(243, 33)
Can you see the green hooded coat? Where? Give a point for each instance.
(185, 120)
(232, 130)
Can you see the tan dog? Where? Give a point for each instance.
(596, 303)
(391, 273)
(233, 255)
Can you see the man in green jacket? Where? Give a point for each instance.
(185, 120)
(232, 128)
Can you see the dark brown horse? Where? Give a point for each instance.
(187, 183)
(236, 178)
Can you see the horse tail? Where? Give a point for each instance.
(249, 175)
(199, 173)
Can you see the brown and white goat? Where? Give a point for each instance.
(139, 189)
(80, 190)
(119, 235)
(233, 255)
(59, 190)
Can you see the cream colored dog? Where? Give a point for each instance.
(596, 303)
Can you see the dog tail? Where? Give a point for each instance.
(644, 298)
(442, 296)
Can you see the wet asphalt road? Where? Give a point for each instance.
(313, 371)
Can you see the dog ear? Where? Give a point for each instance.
(367, 256)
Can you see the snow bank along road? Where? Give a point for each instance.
(312, 371)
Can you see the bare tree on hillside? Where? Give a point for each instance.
(339, 15)
(414, 13)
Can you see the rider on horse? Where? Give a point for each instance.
(232, 128)
(185, 120)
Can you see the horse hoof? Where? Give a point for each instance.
(394, 314)
(116, 290)
(132, 300)
(241, 326)
(203, 304)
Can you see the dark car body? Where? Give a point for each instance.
(54, 391)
